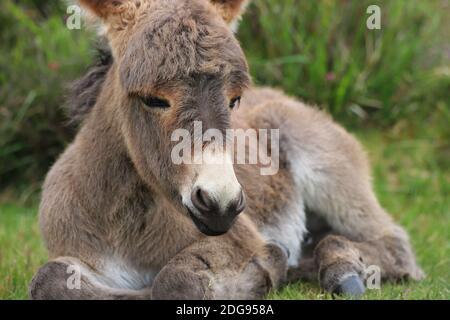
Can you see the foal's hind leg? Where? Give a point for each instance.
(237, 265)
(342, 264)
(331, 176)
(67, 278)
(336, 186)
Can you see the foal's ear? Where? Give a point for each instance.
(110, 14)
(104, 8)
(231, 10)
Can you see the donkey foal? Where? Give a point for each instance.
(134, 225)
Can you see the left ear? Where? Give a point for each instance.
(231, 10)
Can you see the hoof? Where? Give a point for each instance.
(49, 283)
(351, 285)
(178, 283)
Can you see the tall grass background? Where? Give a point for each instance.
(318, 51)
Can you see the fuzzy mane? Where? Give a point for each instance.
(84, 91)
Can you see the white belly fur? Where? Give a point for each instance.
(117, 274)
(288, 230)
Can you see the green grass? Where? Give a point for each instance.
(38, 59)
(323, 52)
(21, 250)
(412, 181)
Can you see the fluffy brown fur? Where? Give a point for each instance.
(114, 204)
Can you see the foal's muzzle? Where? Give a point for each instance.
(212, 218)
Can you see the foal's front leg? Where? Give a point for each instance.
(237, 265)
(69, 278)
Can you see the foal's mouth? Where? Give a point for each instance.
(204, 228)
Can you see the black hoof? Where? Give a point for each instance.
(352, 286)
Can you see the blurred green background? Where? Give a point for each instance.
(320, 51)
(390, 87)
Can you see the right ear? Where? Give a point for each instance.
(230, 10)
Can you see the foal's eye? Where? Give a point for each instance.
(235, 102)
(153, 102)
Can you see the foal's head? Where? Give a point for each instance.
(177, 62)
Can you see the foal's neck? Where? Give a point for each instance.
(107, 173)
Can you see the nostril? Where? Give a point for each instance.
(201, 199)
(241, 203)
(201, 196)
